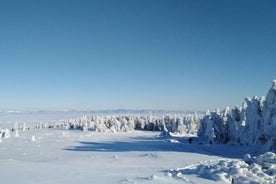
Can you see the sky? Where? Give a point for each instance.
(135, 54)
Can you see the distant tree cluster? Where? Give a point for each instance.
(183, 124)
(253, 124)
(123, 123)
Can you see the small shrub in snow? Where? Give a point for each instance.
(33, 139)
(6, 133)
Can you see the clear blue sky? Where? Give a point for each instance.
(139, 54)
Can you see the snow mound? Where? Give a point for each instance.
(174, 141)
(261, 169)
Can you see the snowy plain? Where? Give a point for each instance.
(65, 156)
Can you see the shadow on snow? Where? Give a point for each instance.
(158, 144)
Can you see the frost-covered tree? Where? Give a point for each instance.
(100, 125)
(268, 135)
(206, 130)
(131, 123)
(140, 123)
(253, 115)
(233, 121)
(214, 128)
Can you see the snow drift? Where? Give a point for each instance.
(259, 169)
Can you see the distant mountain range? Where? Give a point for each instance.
(112, 111)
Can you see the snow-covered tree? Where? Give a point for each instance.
(268, 135)
(206, 130)
(254, 124)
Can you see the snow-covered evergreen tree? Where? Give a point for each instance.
(254, 124)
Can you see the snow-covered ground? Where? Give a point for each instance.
(42, 147)
(72, 156)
